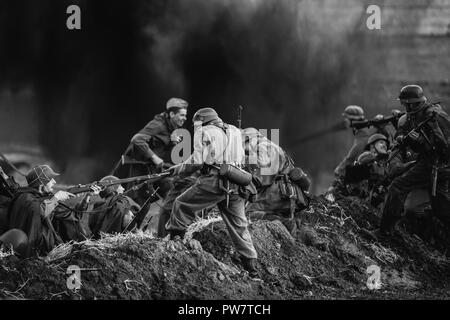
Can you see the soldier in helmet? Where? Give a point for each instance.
(431, 170)
(271, 172)
(215, 143)
(375, 160)
(114, 212)
(351, 115)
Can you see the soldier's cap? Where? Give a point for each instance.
(176, 103)
(41, 174)
(205, 115)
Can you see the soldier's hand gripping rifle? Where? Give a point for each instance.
(377, 122)
(146, 178)
(417, 130)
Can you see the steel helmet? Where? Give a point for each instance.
(411, 93)
(376, 137)
(205, 115)
(354, 113)
(251, 133)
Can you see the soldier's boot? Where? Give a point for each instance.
(249, 265)
(17, 239)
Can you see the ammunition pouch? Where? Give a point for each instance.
(297, 176)
(293, 192)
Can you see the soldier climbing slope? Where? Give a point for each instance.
(216, 144)
(273, 173)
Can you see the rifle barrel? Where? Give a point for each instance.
(87, 187)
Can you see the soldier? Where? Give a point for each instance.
(351, 115)
(32, 209)
(375, 159)
(151, 150)
(215, 143)
(431, 171)
(114, 212)
(272, 167)
(354, 114)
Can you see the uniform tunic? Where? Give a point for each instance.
(213, 146)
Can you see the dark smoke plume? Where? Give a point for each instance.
(97, 86)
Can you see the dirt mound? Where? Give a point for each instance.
(325, 257)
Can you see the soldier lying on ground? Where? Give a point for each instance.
(32, 210)
(114, 212)
(278, 196)
(215, 143)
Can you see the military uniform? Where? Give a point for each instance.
(271, 175)
(153, 139)
(214, 143)
(420, 175)
(109, 213)
(361, 137)
(180, 184)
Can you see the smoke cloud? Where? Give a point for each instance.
(98, 86)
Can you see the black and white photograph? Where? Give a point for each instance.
(235, 151)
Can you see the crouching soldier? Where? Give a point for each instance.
(32, 210)
(114, 212)
(215, 143)
(278, 195)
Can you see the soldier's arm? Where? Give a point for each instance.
(141, 140)
(356, 149)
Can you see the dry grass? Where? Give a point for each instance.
(382, 253)
(199, 225)
(107, 241)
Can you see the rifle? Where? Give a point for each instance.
(147, 178)
(376, 122)
(402, 143)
